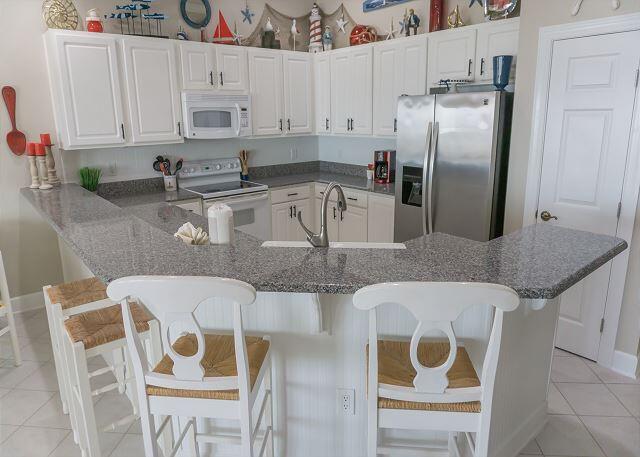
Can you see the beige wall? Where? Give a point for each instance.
(536, 14)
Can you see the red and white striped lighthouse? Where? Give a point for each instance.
(315, 30)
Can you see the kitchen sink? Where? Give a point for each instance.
(334, 245)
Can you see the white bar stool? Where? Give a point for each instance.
(406, 394)
(202, 376)
(7, 310)
(101, 333)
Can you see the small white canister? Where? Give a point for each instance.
(220, 224)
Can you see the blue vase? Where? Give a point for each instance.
(501, 71)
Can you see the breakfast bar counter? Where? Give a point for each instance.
(305, 303)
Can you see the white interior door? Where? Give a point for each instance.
(298, 90)
(152, 90)
(589, 115)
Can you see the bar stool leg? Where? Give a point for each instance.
(119, 371)
(269, 412)
(194, 450)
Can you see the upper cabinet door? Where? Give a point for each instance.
(322, 84)
(89, 90)
(197, 61)
(341, 76)
(451, 55)
(361, 90)
(231, 65)
(298, 92)
(152, 90)
(414, 66)
(496, 39)
(387, 74)
(265, 80)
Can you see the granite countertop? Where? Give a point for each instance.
(539, 261)
(354, 182)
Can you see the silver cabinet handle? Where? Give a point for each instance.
(291, 212)
(221, 79)
(470, 62)
(334, 212)
(179, 129)
(482, 66)
(281, 125)
(425, 175)
(326, 123)
(295, 211)
(122, 130)
(211, 77)
(395, 125)
(432, 164)
(289, 124)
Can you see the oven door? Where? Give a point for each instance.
(251, 213)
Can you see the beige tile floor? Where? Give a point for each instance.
(594, 412)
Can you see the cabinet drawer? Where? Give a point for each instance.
(354, 197)
(290, 194)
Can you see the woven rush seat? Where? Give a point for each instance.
(76, 293)
(95, 328)
(395, 368)
(219, 360)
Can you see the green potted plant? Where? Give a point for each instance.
(89, 178)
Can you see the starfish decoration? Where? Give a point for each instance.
(472, 2)
(342, 23)
(391, 33)
(247, 14)
(237, 38)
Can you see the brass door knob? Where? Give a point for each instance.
(546, 216)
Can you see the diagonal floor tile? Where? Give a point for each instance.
(43, 378)
(108, 442)
(609, 376)
(11, 376)
(557, 403)
(19, 405)
(130, 446)
(50, 415)
(592, 400)
(32, 442)
(571, 369)
(6, 431)
(618, 436)
(629, 396)
(566, 436)
(531, 449)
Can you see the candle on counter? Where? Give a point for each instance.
(42, 166)
(33, 168)
(52, 176)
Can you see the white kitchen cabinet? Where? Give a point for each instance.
(352, 90)
(231, 67)
(198, 65)
(451, 55)
(281, 214)
(400, 67)
(305, 208)
(265, 80)
(353, 224)
(298, 92)
(153, 95)
(333, 218)
(380, 219)
(86, 89)
(322, 86)
(495, 39)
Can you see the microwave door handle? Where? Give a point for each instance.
(425, 171)
(239, 120)
(432, 164)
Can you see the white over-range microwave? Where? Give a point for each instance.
(210, 115)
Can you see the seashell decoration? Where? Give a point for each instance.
(60, 14)
(192, 235)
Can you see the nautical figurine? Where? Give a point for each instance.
(315, 30)
(182, 35)
(294, 32)
(412, 22)
(268, 26)
(247, 14)
(454, 20)
(327, 39)
(342, 23)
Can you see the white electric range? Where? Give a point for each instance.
(218, 181)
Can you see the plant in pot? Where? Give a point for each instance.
(89, 178)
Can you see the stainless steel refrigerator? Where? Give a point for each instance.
(451, 164)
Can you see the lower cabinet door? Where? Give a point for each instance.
(296, 233)
(380, 219)
(281, 220)
(333, 219)
(353, 224)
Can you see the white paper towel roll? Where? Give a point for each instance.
(220, 224)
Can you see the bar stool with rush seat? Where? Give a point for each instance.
(446, 394)
(202, 376)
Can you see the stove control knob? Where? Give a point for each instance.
(235, 165)
(229, 165)
(218, 166)
(191, 170)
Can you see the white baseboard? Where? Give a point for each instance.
(626, 364)
(27, 302)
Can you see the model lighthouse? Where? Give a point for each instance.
(315, 30)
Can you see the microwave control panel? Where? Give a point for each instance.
(244, 118)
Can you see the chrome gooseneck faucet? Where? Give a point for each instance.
(321, 240)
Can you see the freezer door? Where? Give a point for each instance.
(415, 124)
(464, 158)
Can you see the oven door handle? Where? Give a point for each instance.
(241, 200)
(239, 119)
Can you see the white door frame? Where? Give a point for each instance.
(547, 36)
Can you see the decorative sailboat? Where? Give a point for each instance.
(223, 34)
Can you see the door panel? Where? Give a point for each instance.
(322, 84)
(414, 66)
(280, 221)
(361, 91)
(353, 224)
(90, 83)
(499, 39)
(231, 66)
(591, 99)
(451, 55)
(152, 90)
(340, 96)
(388, 73)
(298, 90)
(295, 230)
(197, 63)
(265, 69)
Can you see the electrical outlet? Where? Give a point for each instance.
(346, 401)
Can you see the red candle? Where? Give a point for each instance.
(31, 149)
(45, 139)
(40, 151)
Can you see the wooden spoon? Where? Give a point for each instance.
(16, 140)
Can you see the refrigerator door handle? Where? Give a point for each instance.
(432, 163)
(425, 171)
